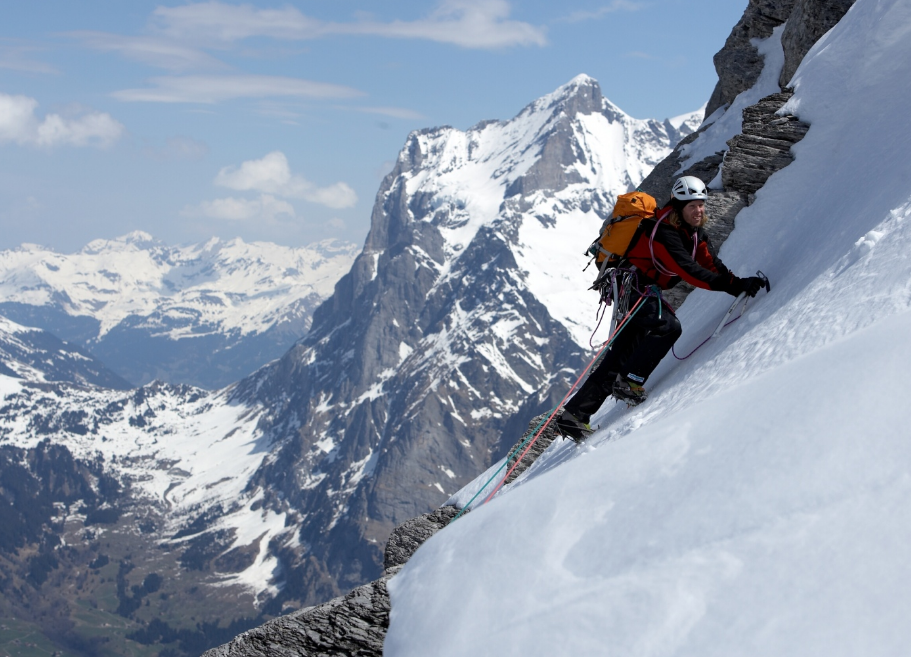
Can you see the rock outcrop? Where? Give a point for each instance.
(809, 20)
(411, 534)
(739, 63)
(763, 147)
(535, 445)
(353, 625)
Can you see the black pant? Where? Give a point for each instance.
(635, 353)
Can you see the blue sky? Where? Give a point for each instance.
(277, 120)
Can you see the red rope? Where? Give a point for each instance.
(565, 397)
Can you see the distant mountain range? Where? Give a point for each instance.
(206, 314)
(35, 355)
(462, 316)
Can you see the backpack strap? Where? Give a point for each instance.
(661, 269)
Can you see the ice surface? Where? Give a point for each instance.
(760, 502)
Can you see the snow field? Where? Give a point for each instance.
(758, 503)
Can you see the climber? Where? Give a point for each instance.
(669, 248)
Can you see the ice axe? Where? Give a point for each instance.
(740, 297)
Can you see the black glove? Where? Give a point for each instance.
(750, 286)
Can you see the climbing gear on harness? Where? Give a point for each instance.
(613, 286)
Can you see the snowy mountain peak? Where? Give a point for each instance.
(469, 296)
(136, 240)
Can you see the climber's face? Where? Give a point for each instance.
(694, 213)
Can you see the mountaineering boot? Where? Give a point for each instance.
(629, 391)
(572, 427)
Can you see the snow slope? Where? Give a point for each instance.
(758, 504)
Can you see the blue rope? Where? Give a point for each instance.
(500, 469)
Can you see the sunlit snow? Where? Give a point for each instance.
(758, 502)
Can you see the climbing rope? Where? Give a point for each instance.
(698, 346)
(538, 430)
(499, 470)
(622, 325)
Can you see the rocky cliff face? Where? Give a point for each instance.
(739, 63)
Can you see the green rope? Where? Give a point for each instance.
(500, 469)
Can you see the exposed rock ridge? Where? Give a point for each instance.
(739, 63)
(353, 625)
(809, 20)
(541, 443)
(763, 147)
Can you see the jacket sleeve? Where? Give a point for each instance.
(707, 256)
(705, 271)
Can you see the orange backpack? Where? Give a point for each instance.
(617, 232)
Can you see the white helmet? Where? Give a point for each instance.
(689, 188)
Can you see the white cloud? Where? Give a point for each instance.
(163, 53)
(217, 21)
(604, 10)
(266, 208)
(19, 124)
(393, 112)
(216, 88)
(272, 175)
(180, 148)
(16, 58)
(482, 24)
(269, 174)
